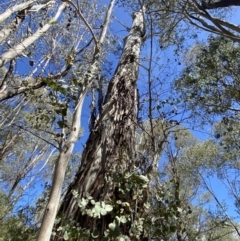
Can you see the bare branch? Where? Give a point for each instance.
(7, 94)
(220, 4)
(22, 128)
(19, 48)
(84, 20)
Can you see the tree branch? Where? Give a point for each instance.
(220, 4)
(7, 94)
(84, 20)
(3, 85)
(48, 142)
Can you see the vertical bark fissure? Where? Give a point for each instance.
(111, 144)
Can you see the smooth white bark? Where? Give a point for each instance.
(15, 8)
(59, 175)
(19, 48)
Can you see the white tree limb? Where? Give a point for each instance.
(15, 8)
(19, 48)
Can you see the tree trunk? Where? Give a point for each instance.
(111, 144)
(67, 148)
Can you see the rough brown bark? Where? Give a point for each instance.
(111, 144)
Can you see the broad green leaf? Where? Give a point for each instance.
(65, 236)
(108, 208)
(112, 226)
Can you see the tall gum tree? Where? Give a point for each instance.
(111, 144)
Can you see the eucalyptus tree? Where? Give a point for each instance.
(209, 84)
(182, 196)
(62, 48)
(14, 227)
(110, 149)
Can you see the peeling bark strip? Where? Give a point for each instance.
(111, 144)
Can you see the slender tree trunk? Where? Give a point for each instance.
(58, 178)
(67, 148)
(111, 144)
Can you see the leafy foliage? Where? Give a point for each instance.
(210, 83)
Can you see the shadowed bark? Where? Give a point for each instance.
(220, 4)
(111, 144)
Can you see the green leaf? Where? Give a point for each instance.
(147, 205)
(123, 219)
(88, 196)
(65, 236)
(179, 209)
(97, 210)
(60, 228)
(144, 178)
(103, 212)
(53, 22)
(57, 220)
(75, 193)
(112, 226)
(82, 203)
(172, 228)
(121, 239)
(108, 208)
